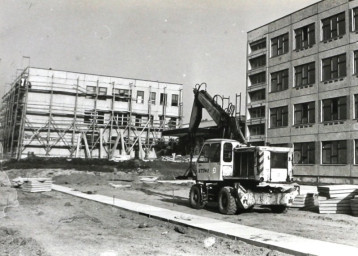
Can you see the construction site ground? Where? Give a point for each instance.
(51, 223)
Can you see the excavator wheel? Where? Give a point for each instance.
(195, 197)
(227, 202)
(278, 208)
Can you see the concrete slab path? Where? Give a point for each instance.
(269, 239)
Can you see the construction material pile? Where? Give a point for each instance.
(33, 184)
(354, 206)
(336, 198)
(306, 200)
(176, 158)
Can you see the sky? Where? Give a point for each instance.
(179, 41)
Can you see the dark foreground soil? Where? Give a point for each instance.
(52, 223)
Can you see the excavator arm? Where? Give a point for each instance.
(226, 123)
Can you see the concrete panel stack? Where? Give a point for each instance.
(336, 198)
(37, 184)
(354, 206)
(306, 200)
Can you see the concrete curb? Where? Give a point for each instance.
(278, 241)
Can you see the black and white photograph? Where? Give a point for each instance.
(178, 127)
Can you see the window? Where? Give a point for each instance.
(258, 45)
(334, 152)
(91, 89)
(258, 78)
(305, 113)
(355, 19)
(257, 95)
(355, 151)
(334, 109)
(102, 91)
(278, 117)
(333, 26)
(257, 129)
(93, 117)
(257, 112)
(227, 156)
(140, 97)
(279, 81)
(258, 62)
(121, 95)
(305, 74)
(356, 106)
(305, 37)
(355, 64)
(172, 122)
(279, 160)
(210, 153)
(304, 153)
(163, 99)
(175, 100)
(153, 96)
(121, 119)
(279, 45)
(334, 67)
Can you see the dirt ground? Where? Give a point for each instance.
(52, 223)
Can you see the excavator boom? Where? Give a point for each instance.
(227, 124)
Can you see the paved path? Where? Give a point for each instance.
(274, 240)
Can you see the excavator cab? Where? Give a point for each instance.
(215, 161)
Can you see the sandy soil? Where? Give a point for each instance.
(66, 224)
(52, 223)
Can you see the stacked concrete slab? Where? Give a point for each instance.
(336, 198)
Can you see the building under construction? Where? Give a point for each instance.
(52, 113)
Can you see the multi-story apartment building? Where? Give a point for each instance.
(67, 114)
(302, 89)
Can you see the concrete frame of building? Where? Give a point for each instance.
(325, 32)
(53, 113)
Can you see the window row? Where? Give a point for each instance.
(331, 27)
(124, 96)
(122, 119)
(334, 67)
(332, 152)
(332, 109)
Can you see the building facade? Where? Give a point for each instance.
(302, 89)
(67, 114)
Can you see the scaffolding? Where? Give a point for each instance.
(51, 113)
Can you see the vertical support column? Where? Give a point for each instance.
(22, 124)
(130, 110)
(164, 108)
(14, 120)
(74, 124)
(94, 121)
(149, 116)
(49, 120)
(111, 127)
(180, 108)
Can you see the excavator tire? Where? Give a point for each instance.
(227, 202)
(278, 208)
(195, 197)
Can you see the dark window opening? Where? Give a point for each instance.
(279, 81)
(334, 109)
(334, 152)
(279, 117)
(304, 153)
(305, 74)
(304, 113)
(305, 37)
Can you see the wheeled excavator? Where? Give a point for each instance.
(233, 174)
